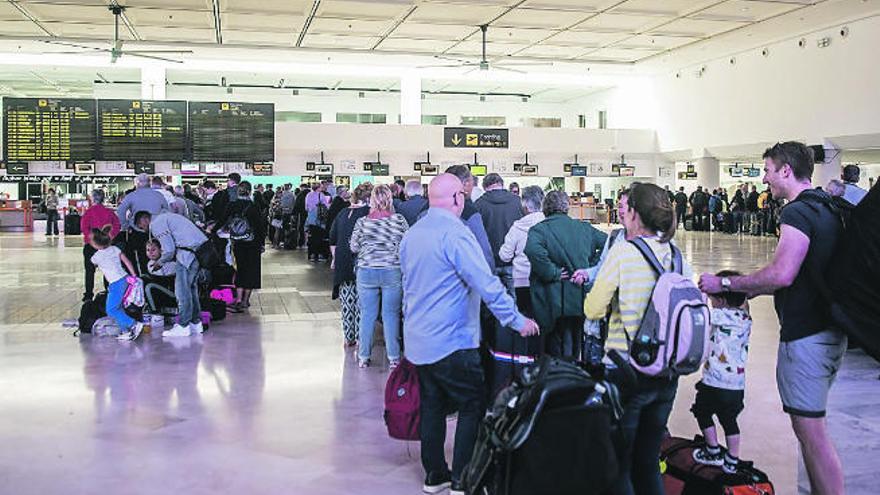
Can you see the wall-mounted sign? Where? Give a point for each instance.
(324, 168)
(428, 169)
(479, 170)
(214, 168)
(17, 168)
(530, 170)
(148, 168)
(626, 171)
(379, 169)
(566, 167)
(263, 168)
(190, 169)
(468, 137)
(578, 171)
(417, 166)
(84, 169)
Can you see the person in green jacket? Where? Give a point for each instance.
(560, 249)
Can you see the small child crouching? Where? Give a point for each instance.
(110, 260)
(721, 391)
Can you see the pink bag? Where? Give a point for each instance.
(402, 402)
(225, 294)
(673, 337)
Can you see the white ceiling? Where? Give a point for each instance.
(590, 31)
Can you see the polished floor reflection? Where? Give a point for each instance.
(269, 402)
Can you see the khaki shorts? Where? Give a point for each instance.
(805, 370)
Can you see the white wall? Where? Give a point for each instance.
(794, 93)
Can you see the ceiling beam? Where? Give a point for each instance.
(27, 14)
(308, 22)
(397, 22)
(218, 26)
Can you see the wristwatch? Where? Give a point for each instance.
(725, 284)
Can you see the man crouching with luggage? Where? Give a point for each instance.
(444, 277)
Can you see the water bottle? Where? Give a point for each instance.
(593, 348)
(596, 397)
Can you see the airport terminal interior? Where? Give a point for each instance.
(303, 110)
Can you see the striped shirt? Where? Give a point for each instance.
(377, 241)
(626, 270)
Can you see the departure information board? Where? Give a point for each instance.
(141, 130)
(48, 129)
(232, 132)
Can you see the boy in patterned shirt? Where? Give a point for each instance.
(720, 393)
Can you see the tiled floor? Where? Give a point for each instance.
(269, 403)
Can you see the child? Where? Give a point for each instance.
(720, 392)
(110, 260)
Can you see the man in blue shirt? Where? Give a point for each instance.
(444, 277)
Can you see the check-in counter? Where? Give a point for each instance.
(584, 210)
(16, 216)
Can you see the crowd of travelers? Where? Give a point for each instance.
(467, 290)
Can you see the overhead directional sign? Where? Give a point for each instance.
(468, 137)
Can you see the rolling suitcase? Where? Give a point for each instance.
(682, 475)
(71, 224)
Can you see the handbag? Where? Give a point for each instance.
(206, 254)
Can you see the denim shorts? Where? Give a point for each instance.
(805, 370)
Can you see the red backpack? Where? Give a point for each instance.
(402, 403)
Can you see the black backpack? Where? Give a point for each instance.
(91, 311)
(323, 213)
(851, 281)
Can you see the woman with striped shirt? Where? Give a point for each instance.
(626, 282)
(376, 241)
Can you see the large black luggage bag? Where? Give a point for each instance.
(71, 224)
(549, 433)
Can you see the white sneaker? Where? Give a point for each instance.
(125, 336)
(196, 328)
(177, 331)
(136, 331)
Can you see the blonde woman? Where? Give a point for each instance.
(376, 242)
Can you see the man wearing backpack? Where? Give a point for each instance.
(810, 349)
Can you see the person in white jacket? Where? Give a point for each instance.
(515, 245)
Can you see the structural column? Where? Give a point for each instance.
(830, 169)
(153, 82)
(410, 99)
(708, 172)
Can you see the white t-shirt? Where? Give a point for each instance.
(110, 264)
(728, 349)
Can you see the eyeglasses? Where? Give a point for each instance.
(455, 197)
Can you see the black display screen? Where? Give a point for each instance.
(141, 130)
(232, 132)
(48, 129)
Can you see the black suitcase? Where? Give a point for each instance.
(729, 224)
(71, 224)
(544, 436)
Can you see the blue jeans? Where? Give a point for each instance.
(455, 383)
(371, 283)
(115, 294)
(186, 289)
(643, 427)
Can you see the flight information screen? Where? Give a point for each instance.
(141, 130)
(232, 132)
(48, 129)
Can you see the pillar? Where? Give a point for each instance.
(829, 169)
(708, 172)
(153, 82)
(410, 99)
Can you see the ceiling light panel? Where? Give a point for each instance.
(317, 40)
(418, 30)
(53, 12)
(586, 38)
(617, 22)
(510, 35)
(152, 33)
(263, 38)
(492, 49)
(167, 18)
(414, 45)
(535, 18)
(258, 22)
(656, 42)
(349, 27)
(750, 11)
(456, 14)
(287, 7)
(574, 5)
(375, 9)
(665, 8)
(551, 51)
(697, 28)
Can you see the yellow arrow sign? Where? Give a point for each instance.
(456, 140)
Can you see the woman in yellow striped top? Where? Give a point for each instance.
(625, 283)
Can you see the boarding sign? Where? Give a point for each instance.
(468, 137)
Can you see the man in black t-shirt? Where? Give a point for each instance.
(810, 349)
(681, 206)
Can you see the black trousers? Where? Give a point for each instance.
(681, 215)
(565, 339)
(318, 244)
(52, 222)
(88, 252)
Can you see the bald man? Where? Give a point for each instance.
(444, 278)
